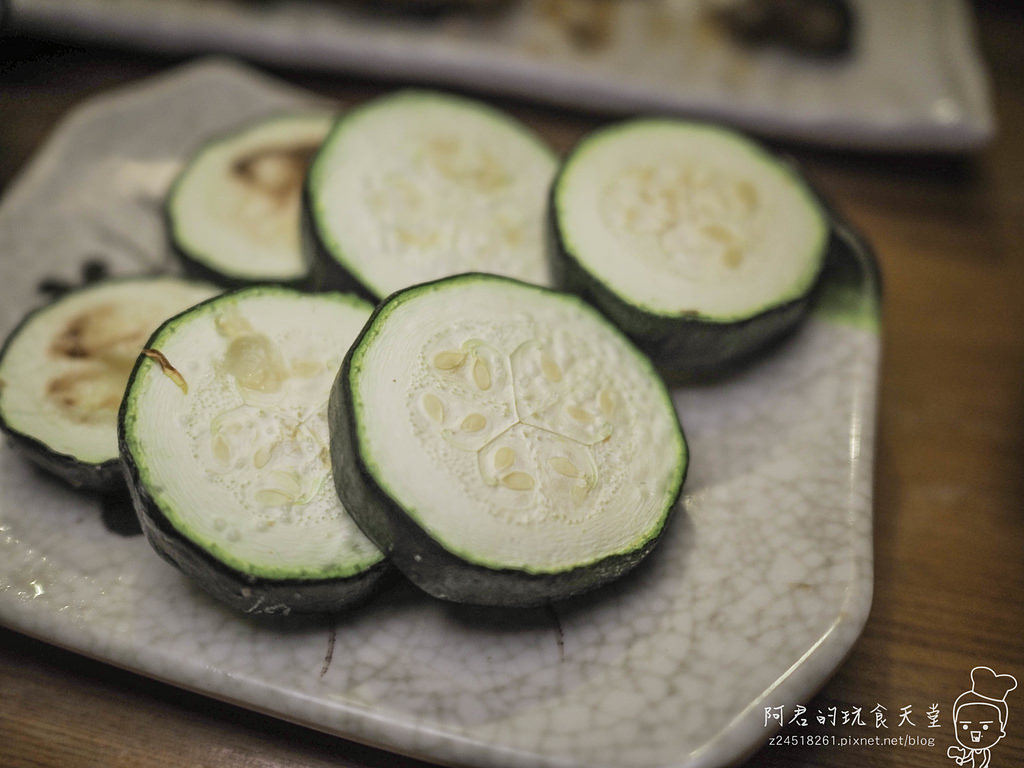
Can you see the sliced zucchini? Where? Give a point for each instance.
(696, 241)
(503, 443)
(233, 211)
(224, 440)
(419, 185)
(64, 368)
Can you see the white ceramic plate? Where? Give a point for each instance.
(756, 593)
(914, 79)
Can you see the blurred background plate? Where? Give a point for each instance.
(911, 80)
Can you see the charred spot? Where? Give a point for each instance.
(85, 396)
(103, 342)
(275, 171)
(101, 332)
(73, 340)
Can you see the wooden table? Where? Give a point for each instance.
(949, 528)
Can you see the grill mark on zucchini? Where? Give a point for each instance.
(101, 344)
(276, 171)
(66, 365)
(232, 213)
(88, 396)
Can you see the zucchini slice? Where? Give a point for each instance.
(233, 211)
(64, 368)
(696, 241)
(224, 440)
(418, 185)
(503, 443)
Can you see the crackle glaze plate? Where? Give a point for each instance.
(757, 592)
(913, 80)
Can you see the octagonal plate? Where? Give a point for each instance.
(758, 590)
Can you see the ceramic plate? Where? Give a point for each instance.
(913, 80)
(758, 590)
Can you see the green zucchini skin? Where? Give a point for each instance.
(195, 265)
(200, 271)
(429, 565)
(326, 273)
(334, 268)
(105, 476)
(686, 348)
(848, 249)
(80, 475)
(242, 591)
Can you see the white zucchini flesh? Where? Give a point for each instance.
(515, 425)
(418, 185)
(64, 371)
(680, 218)
(235, 206)
(239, 463)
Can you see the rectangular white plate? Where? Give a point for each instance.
(913, 81)
(758, 590)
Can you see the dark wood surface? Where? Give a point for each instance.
(949, 515)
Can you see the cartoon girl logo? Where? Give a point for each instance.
(979, 717)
